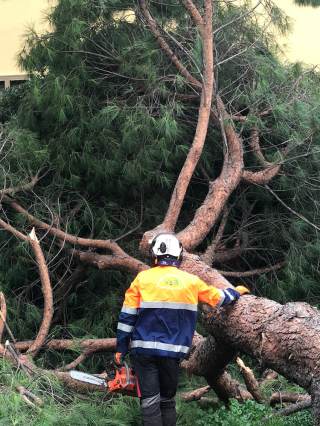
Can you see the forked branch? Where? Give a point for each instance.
(205, 29)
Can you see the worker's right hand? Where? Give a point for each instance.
(118, 358)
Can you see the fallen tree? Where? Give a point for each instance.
(286, 337)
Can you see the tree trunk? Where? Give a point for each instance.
(282, 337)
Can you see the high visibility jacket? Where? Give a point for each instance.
(159, 312)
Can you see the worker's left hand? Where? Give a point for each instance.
(118, 358)
(242, 290)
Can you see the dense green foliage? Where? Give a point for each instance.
(63, 408)
(107, 121)
(313, 3)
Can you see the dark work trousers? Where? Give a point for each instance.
(157, 383)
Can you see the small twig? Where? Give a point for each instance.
(291, 210)
(237, 18)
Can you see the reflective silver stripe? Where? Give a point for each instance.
(166, 400)
(127, 310)
(124, 327)
(230, 295)
(170, 305)
(222, 298)
(147, 402)
(159, 345)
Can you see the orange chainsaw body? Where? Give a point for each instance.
(125, 382)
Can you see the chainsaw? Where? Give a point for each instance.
(124, 382)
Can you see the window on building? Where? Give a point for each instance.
(16, 82)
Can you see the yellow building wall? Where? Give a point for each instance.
(17, 15)
(302, 44)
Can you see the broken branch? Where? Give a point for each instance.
(250, 380)
(47, 295)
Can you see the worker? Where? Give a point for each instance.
(157, 323)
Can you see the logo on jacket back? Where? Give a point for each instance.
(169, 281)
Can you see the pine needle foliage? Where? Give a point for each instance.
(107, 121)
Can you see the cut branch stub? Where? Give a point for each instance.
(250, 380)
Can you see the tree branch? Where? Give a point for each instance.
(258, 271)
(195, 151)
(263, 176)
(3, 314)
(76, 361)
(293, 408)
(120, 262)
(208, 255)
(13, 230)
(87, 345)
(250, 381)
(154, 28)
(283, 397)
(194, 13)
(45, 283)
(270, 170)
(62, 235)
(47, 295)
(219, 192)
(25, 187)
(196, 394)
(254, 143)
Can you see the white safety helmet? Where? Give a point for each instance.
(165, 246)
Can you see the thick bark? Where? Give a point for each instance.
(282, 337)
(209, 359)
(180, 189)
(220, 189)
(193, 264)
